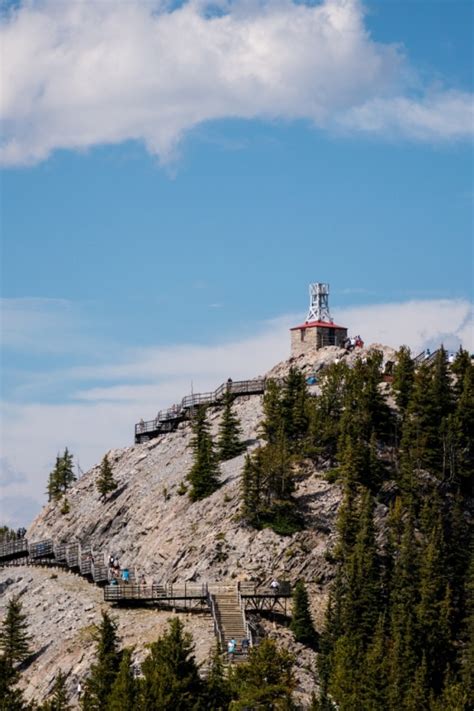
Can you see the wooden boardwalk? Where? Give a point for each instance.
(168, 420)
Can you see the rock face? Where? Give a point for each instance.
(152, 527)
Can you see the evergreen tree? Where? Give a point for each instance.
(217, 694)
(229, 444)
(104, 671)
(294, 408)
(171, 679)
(272, 422)
(265, 681)
(124, 691)
(62, 477)
(301, 623)
(204, 473)
(105, 482)
(11, 698)
(325, 414)
(59, 700)
(14, 638)
(250, 490)
(403, 377)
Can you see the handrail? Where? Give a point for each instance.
(217, 629)
(179, 412)
(248, 631)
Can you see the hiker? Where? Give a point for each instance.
(231, 648)
(275, 585)
(143, 580)
(245, 645)
(125, 575)
(79, 689)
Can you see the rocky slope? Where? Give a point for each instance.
(160, 533)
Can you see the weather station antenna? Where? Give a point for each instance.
(319, 303)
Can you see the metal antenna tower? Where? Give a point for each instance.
(319, 303)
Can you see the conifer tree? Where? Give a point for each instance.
(124, 691)
(59, 700)
(229, 444)
(105, 482)
(11, 697)
(266, 680)
(14, 638)
(294, 407)
(171, 679)
(62, 477)
(204, 473)
(325, 413)
(403, 377)
(301, 623)
(272, 421)
(217, 694)
(250, 490)
(103, 672)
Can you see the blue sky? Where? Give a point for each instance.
(173, 179)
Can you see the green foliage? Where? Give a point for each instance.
(217, 694)
(104, 671)
(265, 681)
(105, 482)
(301, 623)
(59, 700)
(11, 698)
(403, 377)
(124, 691)
(229, 444)
(62, 477)
(65, 506)
(204, 473)
(171, 678)
(14, 638)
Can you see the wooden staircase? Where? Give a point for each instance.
(230, 619)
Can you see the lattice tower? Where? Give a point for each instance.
(319, 303)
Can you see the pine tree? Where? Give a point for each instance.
(272, 421)
(217, 694)
(11, 698)
(266, 680)
(124, 691)
(250, 489)
(105, 482)
(204, 473)
(301, 623)
(59, 700)
(103, 672)
(229, 444)
(171, 679)
(62, 477)
(14, 638)
(294, 408)
(403, 377)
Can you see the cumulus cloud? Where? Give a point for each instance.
(79, 74)
(105, 401)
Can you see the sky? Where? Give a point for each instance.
(175, 174)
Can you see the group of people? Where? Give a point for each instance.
(116, 572)
(353, 342)
(233, 648)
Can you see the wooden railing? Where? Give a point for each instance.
(166, 420)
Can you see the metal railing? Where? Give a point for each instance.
(42, 549)
(248, 631)
(217, 627)
(14, 549)
(165, 419)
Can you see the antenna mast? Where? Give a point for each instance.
(319, 303)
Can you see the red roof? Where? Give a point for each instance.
(320, 324)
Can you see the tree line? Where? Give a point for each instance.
(168, 678)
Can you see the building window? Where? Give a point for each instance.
(302, 333)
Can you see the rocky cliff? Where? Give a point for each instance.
(152, 527)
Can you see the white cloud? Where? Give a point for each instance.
(83, 73)
(97, 418)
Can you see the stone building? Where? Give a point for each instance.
(319, 330)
